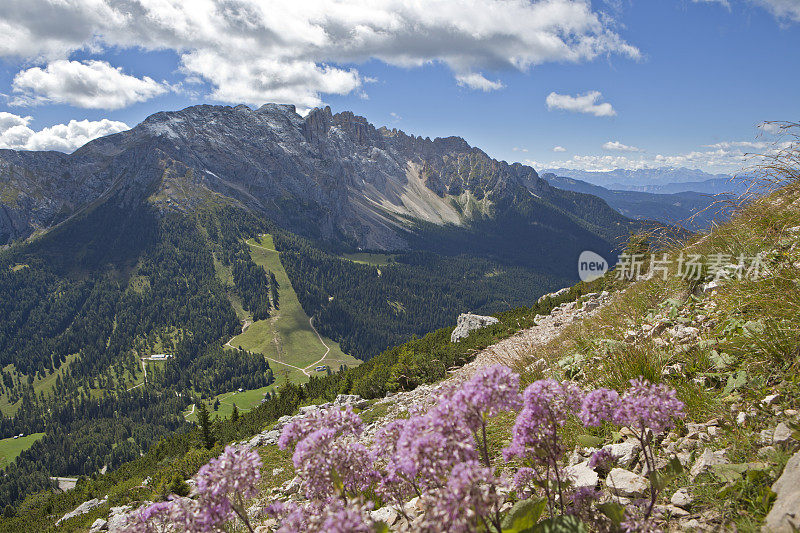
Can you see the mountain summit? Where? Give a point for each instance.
(326, 176)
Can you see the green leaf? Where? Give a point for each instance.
(614, 511)
(734, 472)
(559, 524)
(589, 441)
(523, 515)
(380, 527)
(338, 484)
(662, 477)
(735, 381)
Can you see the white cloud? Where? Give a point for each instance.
(88, 84)
(772, 128)
(720, 2)
(16, 134)
(782, 9)
(395, 116)
(724, 157)
(293, 51)
(749, 145)
(583, 103)
(617, 146)
(474, 80)
(519, 149)
(559, 149)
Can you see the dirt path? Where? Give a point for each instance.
(190, 413)
(505, 351)
(327, 348)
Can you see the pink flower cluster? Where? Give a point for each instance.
(325, 452)
(220, 489)
(442, 456)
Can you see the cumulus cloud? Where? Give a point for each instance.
(559, 149)
(15, 133)
(478, 81)
(288, 51)
(582, 103)
(88, 84)
(619, 147)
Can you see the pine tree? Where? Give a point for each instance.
(235, 414)
(204, 420)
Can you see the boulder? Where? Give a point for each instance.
(706, 460)
(581, 475)
(83, 508)
(782, 436)
(625, 452)
(784, 517)
(118, 517)
(468, 322)
(387, 514)
(682, 498)
(99, 525)
(625, 483)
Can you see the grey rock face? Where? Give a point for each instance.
(468, 322)
(83, 508)
(326, 176)
(706, 460)
(784, 517)
(627, 484)
(582, 475)
(333, 175)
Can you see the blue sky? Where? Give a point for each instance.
(630, 83)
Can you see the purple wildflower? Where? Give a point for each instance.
(648, 406)
(599, 406)
(427, 448)
(523, 481)
(340, 421)
(333, 516)
(546, 406)
(602, 460)
(321, 456)
(470, 494)
(491, 391)
(235, 472)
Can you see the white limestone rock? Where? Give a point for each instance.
(468, 322)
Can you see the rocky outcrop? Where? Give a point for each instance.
(784, 517)
(468, 322)
(83, 508)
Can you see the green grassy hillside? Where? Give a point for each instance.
(287, 338)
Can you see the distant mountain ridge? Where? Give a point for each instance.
(326, 176)
(663, 180)
(694, 211)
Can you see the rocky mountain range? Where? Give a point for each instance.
(326, 176)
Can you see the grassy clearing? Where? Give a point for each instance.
(366, 258)
(45, 385)
(244, 401)
(10, 448)
(287, 336)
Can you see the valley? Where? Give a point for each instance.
(287, 339)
